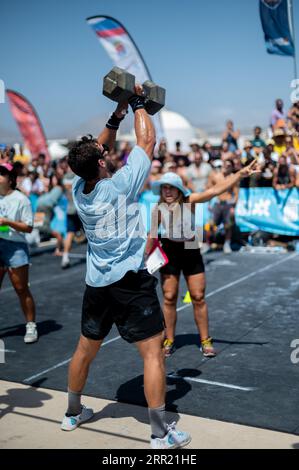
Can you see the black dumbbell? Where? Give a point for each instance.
(119, 85)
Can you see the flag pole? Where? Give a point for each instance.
(292, 24)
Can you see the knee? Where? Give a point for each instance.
(198, 298)
(154, 358)
(170, 297)
(22, 290)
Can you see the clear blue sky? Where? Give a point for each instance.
(209, 55)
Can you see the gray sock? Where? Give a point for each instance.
(74, 404)
(157, 421)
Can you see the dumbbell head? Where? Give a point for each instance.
(155, 97)
(118, 85)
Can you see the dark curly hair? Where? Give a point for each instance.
(12, 176)
(83, 158)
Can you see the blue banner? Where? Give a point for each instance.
(276, 23)
(269, 210)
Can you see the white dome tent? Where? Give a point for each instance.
(177, 128)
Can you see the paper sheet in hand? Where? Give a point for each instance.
(156, 260)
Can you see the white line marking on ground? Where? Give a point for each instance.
(29, 379)
(210, 382)
(230, 284)
(7, 350)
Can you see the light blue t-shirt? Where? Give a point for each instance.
(112, 221)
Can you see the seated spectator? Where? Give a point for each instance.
(182, 168)
(195, 147)
(291, 152)
(162, 150)
(179, 154)
(267, 170)
(32, 184)
(170, 166)
(279, 136)
(236, 159)
(270, 148)
(208, 153)
(257, 141)
(293, 115)
(42, 166)
(198, 173)
(247, 157)
(168, 158)
(284, 175)
(292, 157)
(225, 153)
(156, 171)
(231, 136)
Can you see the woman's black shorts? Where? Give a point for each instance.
(181, 259)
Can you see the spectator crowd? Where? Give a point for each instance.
(276, 150)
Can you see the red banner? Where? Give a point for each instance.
(29, 124)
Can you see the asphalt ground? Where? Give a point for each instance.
(253, 304)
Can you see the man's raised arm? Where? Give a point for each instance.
(144, 128)
(108, 135)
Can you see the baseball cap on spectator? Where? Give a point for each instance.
(270, 142)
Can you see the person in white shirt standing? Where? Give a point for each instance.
(16, 219)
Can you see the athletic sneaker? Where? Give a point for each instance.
(174, 439)
(207, 347)
(65, 262)
(69, 423)
(31, 332)
(169, 347)
(226, 248)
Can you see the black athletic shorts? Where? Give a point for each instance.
(73, 223)
(181, 259)
(131, 303)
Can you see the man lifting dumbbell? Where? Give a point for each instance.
(118, 287)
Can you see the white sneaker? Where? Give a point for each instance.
(226, 248)
(69, 423)
(31, 332)
(65, 263)
(174, 439)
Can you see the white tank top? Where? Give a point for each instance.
(177, 221)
